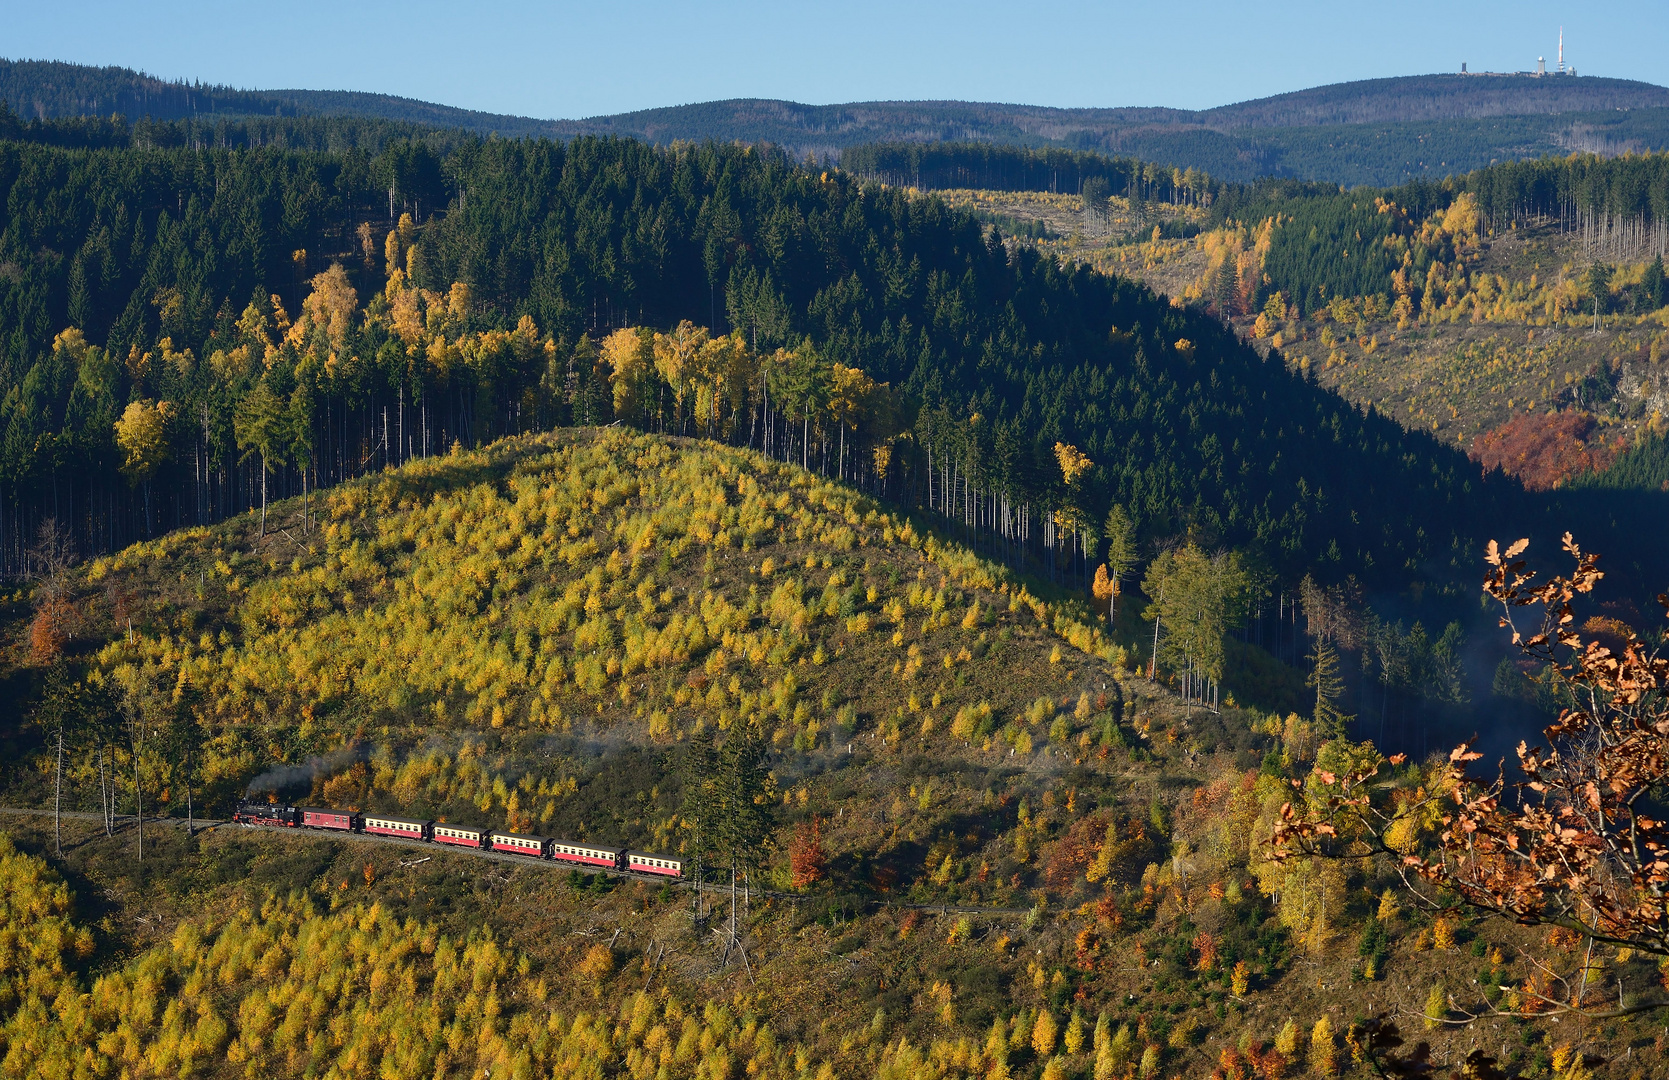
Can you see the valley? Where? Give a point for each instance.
(1043, 594)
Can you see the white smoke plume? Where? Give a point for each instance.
(286, 776)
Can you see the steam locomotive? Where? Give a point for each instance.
(599, 856)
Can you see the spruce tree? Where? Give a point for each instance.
(1328, 680)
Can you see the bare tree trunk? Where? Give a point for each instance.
(1153, 663)
(138, 803)
(58, 797)
(104, 794)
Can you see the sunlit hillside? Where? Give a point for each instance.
(600, 581)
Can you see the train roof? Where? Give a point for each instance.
(464, 828)
(323, 810)
(655, 855)
(517, 835)
(400, 820)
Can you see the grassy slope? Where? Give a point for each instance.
(401, 620)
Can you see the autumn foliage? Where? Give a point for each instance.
(286, 989)
(1578, 844)
(49, 631)
(549, 597)
(808, 862)
(1544, 451)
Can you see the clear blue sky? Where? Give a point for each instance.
(567, 60)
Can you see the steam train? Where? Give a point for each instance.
(598, 856)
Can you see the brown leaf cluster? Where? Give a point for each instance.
(1580, 846)
(1576, 843)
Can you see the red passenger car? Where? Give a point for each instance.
(318, 818)
(460, 835)
(570, 851)
(647, 862)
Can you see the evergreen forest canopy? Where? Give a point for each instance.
(325, 133)
(995, 167)
(53, 90)
(1378, 154)
(1379, 131)
(187, 329)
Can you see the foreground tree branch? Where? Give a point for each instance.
(1583, 842)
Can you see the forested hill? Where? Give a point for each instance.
(241, 309)
(48, 89)
(1379, 131)
(1435, 97)
(1421, 98)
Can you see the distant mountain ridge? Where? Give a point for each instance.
(1376, 101)
(1409, 98)
(1370, 131)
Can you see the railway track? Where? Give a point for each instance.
(127, 821)
(123, 822)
